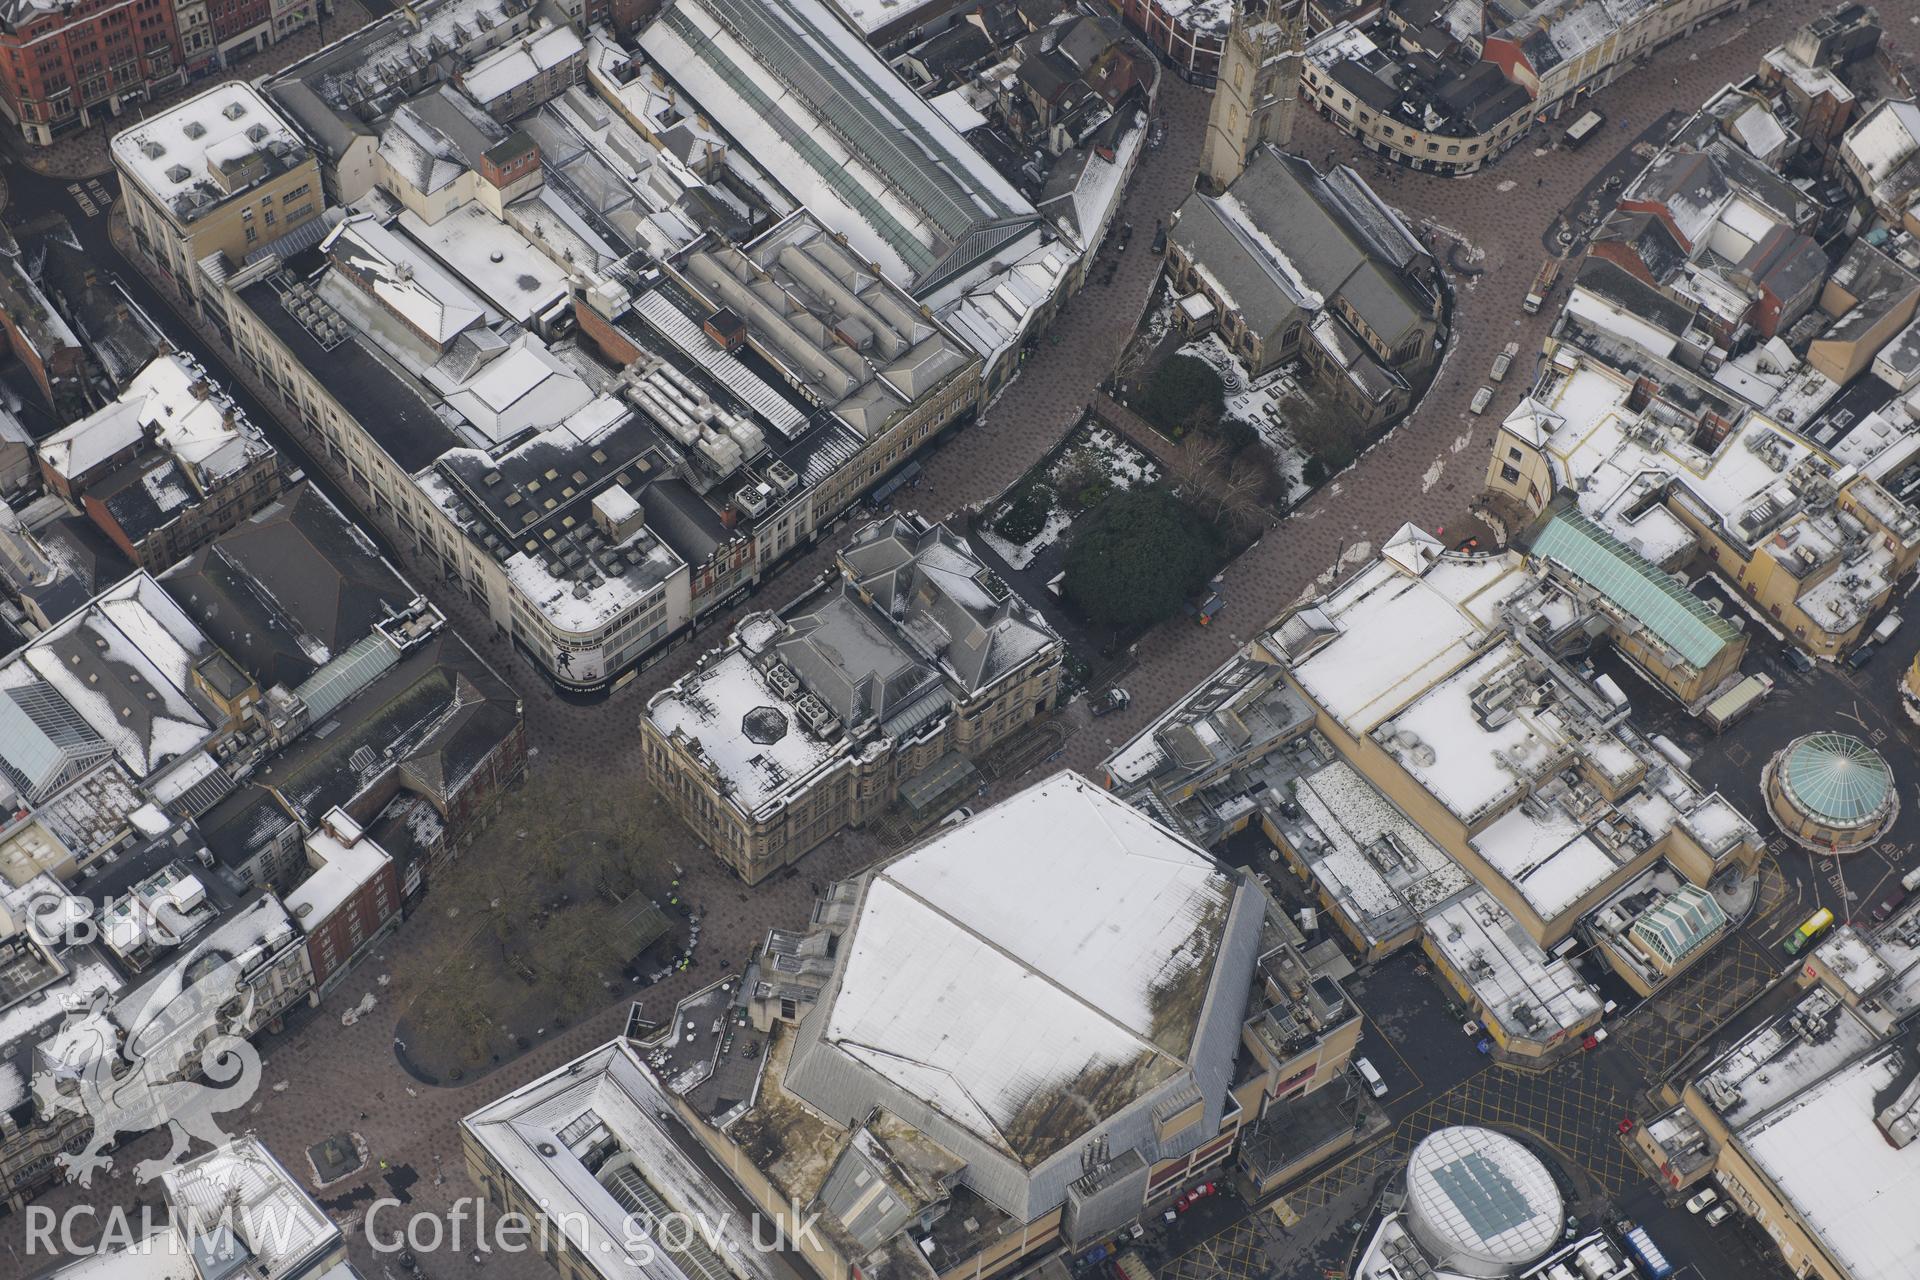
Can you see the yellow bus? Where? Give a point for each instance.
(1811, 928)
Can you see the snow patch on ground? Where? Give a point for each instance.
(1019, 555)
(1261, 403)
(1124, 467)
(1432, 476)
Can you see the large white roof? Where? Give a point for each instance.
(169, 152)
(1060, 940)
(1854, 1188)
(541, 1135)
(1400, 632)
(498, 262)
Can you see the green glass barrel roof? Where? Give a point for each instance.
(1837, 779)
(1635, 586)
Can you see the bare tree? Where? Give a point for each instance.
(466, 1018)
(579, 970)
(549, 853)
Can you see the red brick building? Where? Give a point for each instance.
(34, 331)
(65, 66)
(1193, 46)
(348, 903)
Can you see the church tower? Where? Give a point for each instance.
(1259, 87)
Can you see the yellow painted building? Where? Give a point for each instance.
(212, 180)
(1812, 544)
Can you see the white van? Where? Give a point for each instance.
(1888, 625)
(1375, 1085)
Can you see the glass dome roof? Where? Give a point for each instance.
(1836, 779)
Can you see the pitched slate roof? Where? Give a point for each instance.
(289, 589)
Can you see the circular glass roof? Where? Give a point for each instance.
(1837, 779)
(1484, 1195)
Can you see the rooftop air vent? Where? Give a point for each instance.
(234, 110)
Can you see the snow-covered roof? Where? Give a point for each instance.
(1532, 994)
(871, 15)
(798, 290)
(1380, 896)
(614, 1212)
(1760, 485)
(173, 399)
(750, 734)
(1394, 633)
(405, 279)
(343, 859)
(277, 1221)
(957, 111)
(993, 310)
(1845, 1181)
(1601, 450)
(124, 663)
(1087, 982)
(186, 157)
(1882, 147)
(1469, 766)
(492, 258)
(850, 140)
(528, 386)
(1548, 855)
(512, 65)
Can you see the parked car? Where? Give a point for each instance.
(1205, 603)
(1594, 1039)
(1889, 904)
(1504, 361)
(1861, 656)
(1159, 239)
(1481, 399)
(957, 817)
(1376, 1084)
(1193, 1196)
(1798, 660)
(1110, 701)
(1719, 1214)
(1705, 1197)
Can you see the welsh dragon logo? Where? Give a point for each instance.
(146, 1063)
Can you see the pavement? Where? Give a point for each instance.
(324, 1078)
